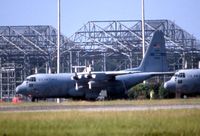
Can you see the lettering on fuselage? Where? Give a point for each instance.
(157, 55)
(47, 79)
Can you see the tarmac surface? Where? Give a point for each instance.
(93, 108)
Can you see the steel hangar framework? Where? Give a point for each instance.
(107, 45)
(25, 50)
(116, 45)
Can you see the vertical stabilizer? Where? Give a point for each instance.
(155, 59)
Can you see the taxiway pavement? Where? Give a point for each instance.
(93, 108)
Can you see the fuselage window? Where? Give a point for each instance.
(27, 79)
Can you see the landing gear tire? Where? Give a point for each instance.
(33, 99)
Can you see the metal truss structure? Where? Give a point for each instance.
(121, 40)
(107, 45)
(29, 46)
(25, 50)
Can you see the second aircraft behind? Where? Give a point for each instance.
(184, 82)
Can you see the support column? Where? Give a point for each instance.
(143, 30)
(70, 61)
(78, 58)
(36, 70)
(185, 65)
(184, 62)
(130, 59)
(104, 62)
(48, 68)
(58, 46)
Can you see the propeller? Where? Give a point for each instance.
(90, 84)
(76, 77)
(88, 77)
(76, 85)
(89, 74)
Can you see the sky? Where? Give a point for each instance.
(76, 13)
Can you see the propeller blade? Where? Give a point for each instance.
(76, 86)
(90, 85)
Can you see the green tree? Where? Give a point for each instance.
(163, 93)
(140, 90)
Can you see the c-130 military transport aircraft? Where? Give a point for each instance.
(184, 82)
(88, 85)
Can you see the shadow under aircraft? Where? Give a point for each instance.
(89, 84)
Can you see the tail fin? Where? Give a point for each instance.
(155, 59)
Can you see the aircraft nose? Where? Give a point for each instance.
(20, 89)
(170, 86)
(17, 89)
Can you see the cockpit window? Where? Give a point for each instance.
(32, 79)
(176, 75)
(182, 75)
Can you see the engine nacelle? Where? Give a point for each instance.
(96, 84)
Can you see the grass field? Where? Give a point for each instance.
(73, 123)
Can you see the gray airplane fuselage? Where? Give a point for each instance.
(62, 86)
(184, 81)
(88, 84)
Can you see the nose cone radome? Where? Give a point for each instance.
(20, 89)
(17, 90)
(170, 86)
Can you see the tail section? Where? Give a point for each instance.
(155, 59)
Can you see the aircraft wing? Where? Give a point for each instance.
(161, 73)
(116, 73)
(108, 75)
(89, 78)
(99, 76)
